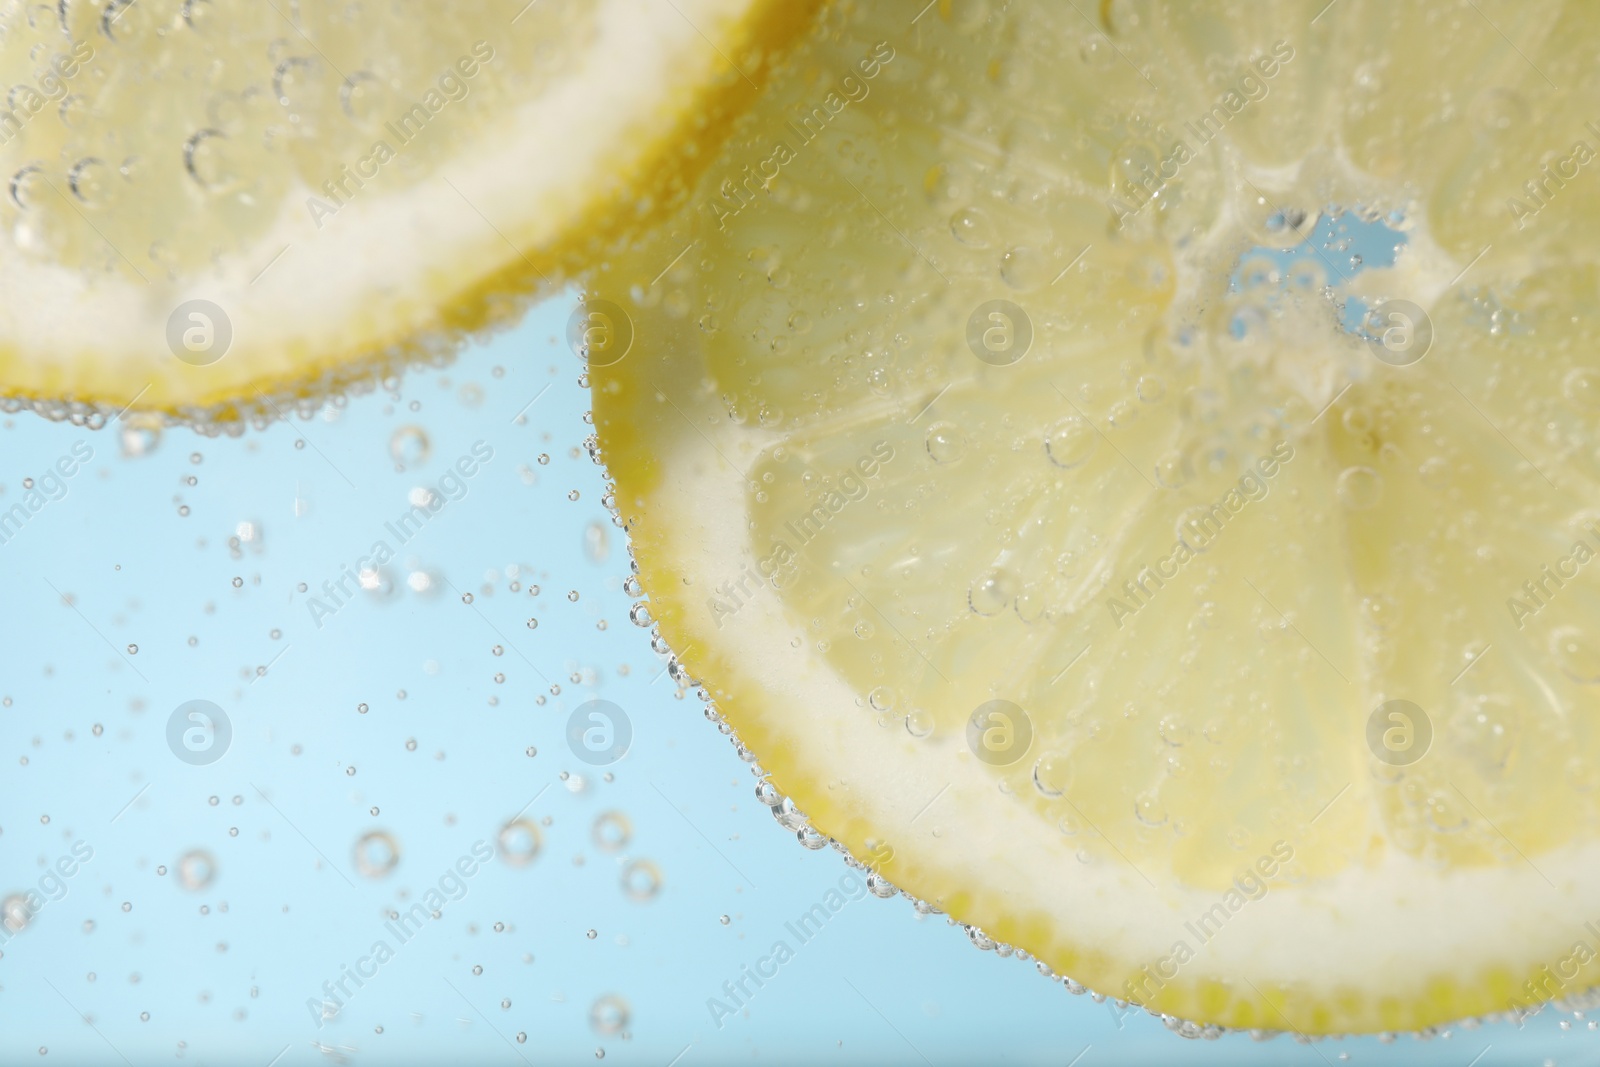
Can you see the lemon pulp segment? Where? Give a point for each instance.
(215, 207)
(1165, 609)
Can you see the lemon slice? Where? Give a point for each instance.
(1127, 474)
(213, 203)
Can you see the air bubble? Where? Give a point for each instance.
(520, 841)
(295, 81)
(1097, 52)
(1379, 611)
(206, 158)
(641, 881)
(596, 543)
(1488, 733)
(1149, 810)
(972, 228)
(1174, 731)
(990, 593)
(611, 831)
(1577, 653)
(14, 912)
(196, 869)
(1359, 488)
(1052, 773)
(609, 1014)
(1023, 268)
(409, 447)
(28, 185)
(1172, 471)
(946, 443)
(1197, 527)
(361, 98)
(1446, 814)
(1135, 163)
(93, 183)
(1258, 272)
(376, 854)
(1582, 387)
(1070, 442)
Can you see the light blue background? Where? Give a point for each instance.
(288, 908)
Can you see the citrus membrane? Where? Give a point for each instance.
(214, 208)
(1127, 474)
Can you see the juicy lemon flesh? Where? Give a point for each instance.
(352, 187)
(203, 174)
(1198, 533)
